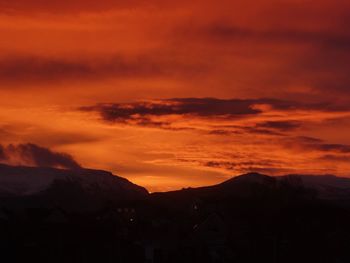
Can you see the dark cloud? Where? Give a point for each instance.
(314, 58)
(274, 128)
(335, 158)
(33, 155)
(202, 107)
(206, 107)
(326, 39)
(26, 69)
(280, 125)
(231, 165)
(325, 71)
(273, 167)
(307, 139)
(234, 106)
(72, 6)
(224, 132)
(160, 113)
(315, 144)
(262, 131)
(341, 148)
(241, 129)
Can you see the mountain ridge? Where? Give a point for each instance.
(23, 180)
(28, 181)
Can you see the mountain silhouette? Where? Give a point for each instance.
(81, 189)
(328, 187)
(85, 215)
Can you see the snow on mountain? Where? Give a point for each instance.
(24, 181)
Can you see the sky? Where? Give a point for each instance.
(174, 94)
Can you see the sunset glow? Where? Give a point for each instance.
(174, 94)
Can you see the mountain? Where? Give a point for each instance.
(89, 216)
(327, 187)
(239, 185)
(251, 178)
(83, 188)
(87, 189)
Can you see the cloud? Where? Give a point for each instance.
(262, 131)
(280, 125)
(296, 59)
(205, 107)
(315, 144)
(35, 69)
(201, 107)
(72, 6)
(244, 165)
(113, 51)
(225, 32)
(341, 148)
(270, 117)
(33, 155)
(160, 113)
(194, 106)
(307, 139)
(335, 158)
(273, 167)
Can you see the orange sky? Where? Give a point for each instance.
(173, 94)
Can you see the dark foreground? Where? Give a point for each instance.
(242, 221)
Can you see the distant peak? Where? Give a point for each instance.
(22, 180)
(253, 174)
(252, 178)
